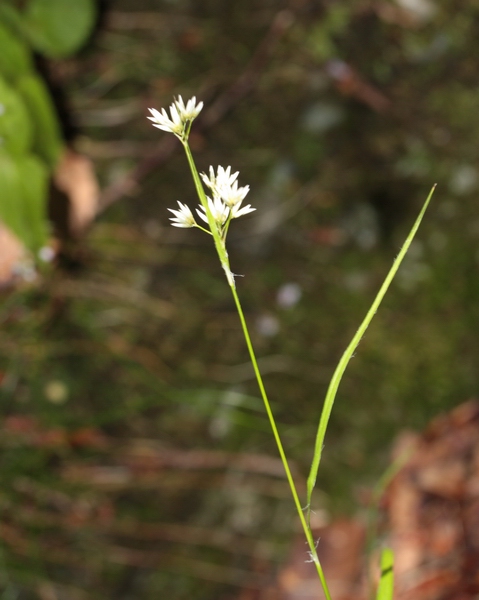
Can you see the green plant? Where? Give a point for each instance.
(30, 134)
(217, 212)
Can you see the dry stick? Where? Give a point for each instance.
(240, 88)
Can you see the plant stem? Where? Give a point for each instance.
(224, 260)
(269, 412)
(219, 243)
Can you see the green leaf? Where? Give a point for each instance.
(386, 582)
(34, 178)
(16, 131)
(58, 28)
(11, 194)
(47, 139)
(11, 17)
(23, 193)
(343, 363)
(15, 56)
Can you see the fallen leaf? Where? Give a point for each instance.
(76, 178)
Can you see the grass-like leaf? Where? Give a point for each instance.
(338, 374)
(386, 581)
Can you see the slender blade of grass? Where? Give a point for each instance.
(386, 581)
(338, 374)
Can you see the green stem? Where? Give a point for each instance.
(338, 373)
(224, 260)
(269, 412)
(219, 243)
(203, 229)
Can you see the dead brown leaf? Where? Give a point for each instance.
(76, 178)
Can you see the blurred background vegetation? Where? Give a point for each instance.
(136, 457)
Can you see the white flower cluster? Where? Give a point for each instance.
(181, 117)
(224, 205)
(226, 197)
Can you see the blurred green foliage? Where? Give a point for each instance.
(133, 338)
(58, 28)
(30, 133)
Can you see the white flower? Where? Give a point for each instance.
(191, 110)
(181, 115)
(232, 194)
(183, 217)
(236, 211)
(218, 209)
(162, 121)
(224, 185)
(223, 178)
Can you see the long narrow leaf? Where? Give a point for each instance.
(386, 581)
(337, 376)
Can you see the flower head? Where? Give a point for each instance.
(181, 116)
(221, 179)
(232, 195)
(224, 184)
(162, 121)
(191, 110)
(218, 209)
(183, 217)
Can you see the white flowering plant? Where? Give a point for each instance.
(216, 211)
